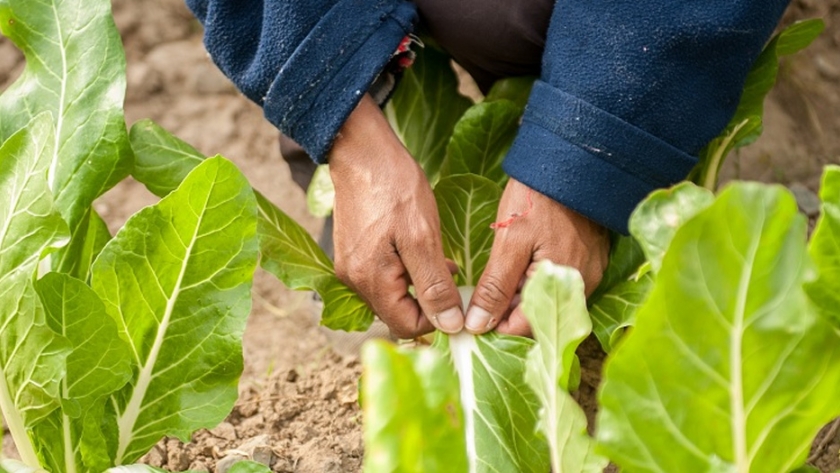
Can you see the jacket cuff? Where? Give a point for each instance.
(312, 110)
(589, 160)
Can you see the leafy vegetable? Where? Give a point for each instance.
(75, 70)
(825, 249)
(177, 279)
(425, 108)
(413, 422)
(515, 89)
(98, 365)
(320, 196)
(467, 205)
(32, 357)
(728, 368)
(481, 140)
(286, 249)
(554, 303)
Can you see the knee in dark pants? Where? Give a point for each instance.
(491, 39)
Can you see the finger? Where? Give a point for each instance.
(452, 266)
(516, 324)
(384, 286)
(491, 300)
(433, 285)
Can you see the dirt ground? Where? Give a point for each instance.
(298, 406)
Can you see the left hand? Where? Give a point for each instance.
(549, 231)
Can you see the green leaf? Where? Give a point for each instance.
(481, 140)
(249, 467)
(413, 422)
(177, 279)
(746, 125)
(500, 409)
(555, 306)
(320, 196)
(626, 256)
(616, 310)
(824, 248)
(515, 89)
(32, 356)
(98, 365)
(91, 236)
(286, 249)
(290, 253)
(161, 161)
(655, 221)
(425, 108)
(75, 70)
(467, 205)
(728, 368)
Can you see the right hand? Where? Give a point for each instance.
(387, 229)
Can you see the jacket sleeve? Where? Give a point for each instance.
(630, 92)
(306, 62)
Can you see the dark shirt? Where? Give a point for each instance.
(630, 91)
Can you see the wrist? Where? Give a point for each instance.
(365, 145)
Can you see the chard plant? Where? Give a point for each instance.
(109, 343)
(732, 361)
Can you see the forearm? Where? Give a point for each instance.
(630, 92)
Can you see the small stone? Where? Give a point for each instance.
(223, 465)
(178, 460)
(807, 200)
(292, 376)
(263, 454)
(224, 430)
(828, 69)
(156, 457)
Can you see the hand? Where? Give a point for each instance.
(387, 229)
(548, 230)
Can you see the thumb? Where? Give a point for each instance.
(497, 286)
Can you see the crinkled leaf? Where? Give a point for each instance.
(161, 160)
(824, 248)
(413, 421)
(481, 140)
(286, 249)
(613, 304)
(728, 368)
(98, 365)
(91, 236)
(177, 279)
(515, 89)
(425, 108)
(747, 123)
(500, 409)
(555, 306)
(32, 356)
(655, 221)
(615, 310)
(290, 253)
(75, 69)
(320, 196)
(625, 258)
(467, 205)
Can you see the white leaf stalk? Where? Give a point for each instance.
(462, 346)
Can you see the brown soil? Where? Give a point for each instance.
(298, 406)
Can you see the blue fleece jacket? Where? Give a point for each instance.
(630, 90)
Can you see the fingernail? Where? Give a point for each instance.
(477, 319)
(451, 321)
